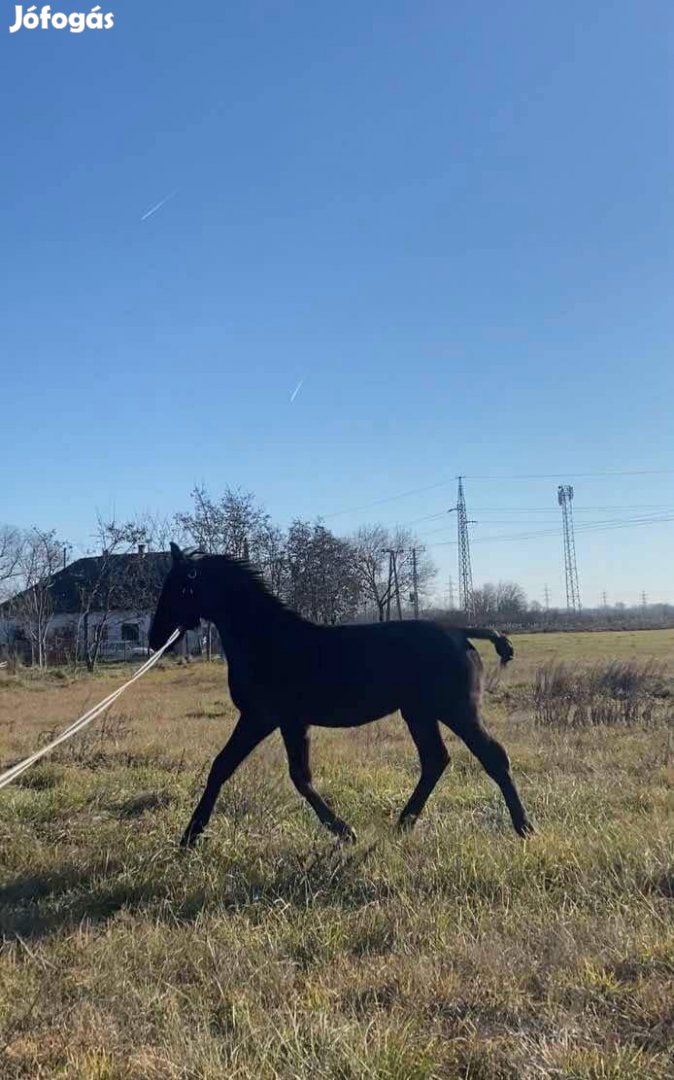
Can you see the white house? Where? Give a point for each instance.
(102, 602)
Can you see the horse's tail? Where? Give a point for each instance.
(502, 644)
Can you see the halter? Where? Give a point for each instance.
(188, 590)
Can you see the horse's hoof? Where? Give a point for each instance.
(345, 832)
(524, 828)
(406, 824)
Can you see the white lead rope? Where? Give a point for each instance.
(77, 725)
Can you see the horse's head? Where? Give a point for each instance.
(181, 601)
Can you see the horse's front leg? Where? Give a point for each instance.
(296, 741)
(248, 732)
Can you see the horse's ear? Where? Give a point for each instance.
(176, 553)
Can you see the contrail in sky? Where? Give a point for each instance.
(296, 391)
(153, 209)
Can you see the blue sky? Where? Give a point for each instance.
(452, 221)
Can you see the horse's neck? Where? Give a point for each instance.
(250, 619)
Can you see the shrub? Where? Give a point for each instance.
(621, 692)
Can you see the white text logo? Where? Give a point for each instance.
(45, 19)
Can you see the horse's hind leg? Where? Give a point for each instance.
(494, 760)
(297, 746)
(433, 759)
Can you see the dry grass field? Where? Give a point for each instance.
(274, 951)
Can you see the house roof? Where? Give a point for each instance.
(107, 583)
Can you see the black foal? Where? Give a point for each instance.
(287, 673)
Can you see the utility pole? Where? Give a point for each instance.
(397, 585)
(389, 586)
(565, 500)
(604, 600)
(451, 593)
(546, 595)
(415, 584)
(393, 583)
(644, 601)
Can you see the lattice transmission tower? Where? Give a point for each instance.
(565, 500)
(466, 596)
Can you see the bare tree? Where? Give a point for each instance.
(505, 602)
(371, 549)
(271, 556)
(118, 578)
(405, 543)
(40, 557)
(231, 525)
(370, 562)
(321, 581)
(155, 530)
(12, 542)
(511, 600)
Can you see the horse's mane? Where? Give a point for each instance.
(252, 574)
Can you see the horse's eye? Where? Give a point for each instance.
(191, 574)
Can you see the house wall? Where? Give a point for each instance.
(65, 629)
(74, 622)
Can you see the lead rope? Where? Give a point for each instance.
(77, 725)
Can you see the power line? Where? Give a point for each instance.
(545, 510)
(664, 509)
(575, 476)
(584, 526)
(590, 527)
(427, 517)
(389, 498)
(499, 479)
(579, 509)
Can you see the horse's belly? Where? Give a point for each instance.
(347, 718)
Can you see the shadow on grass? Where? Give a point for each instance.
(35, 906)
(661, 884)
(141, 804)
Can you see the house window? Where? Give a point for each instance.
(130, 632)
